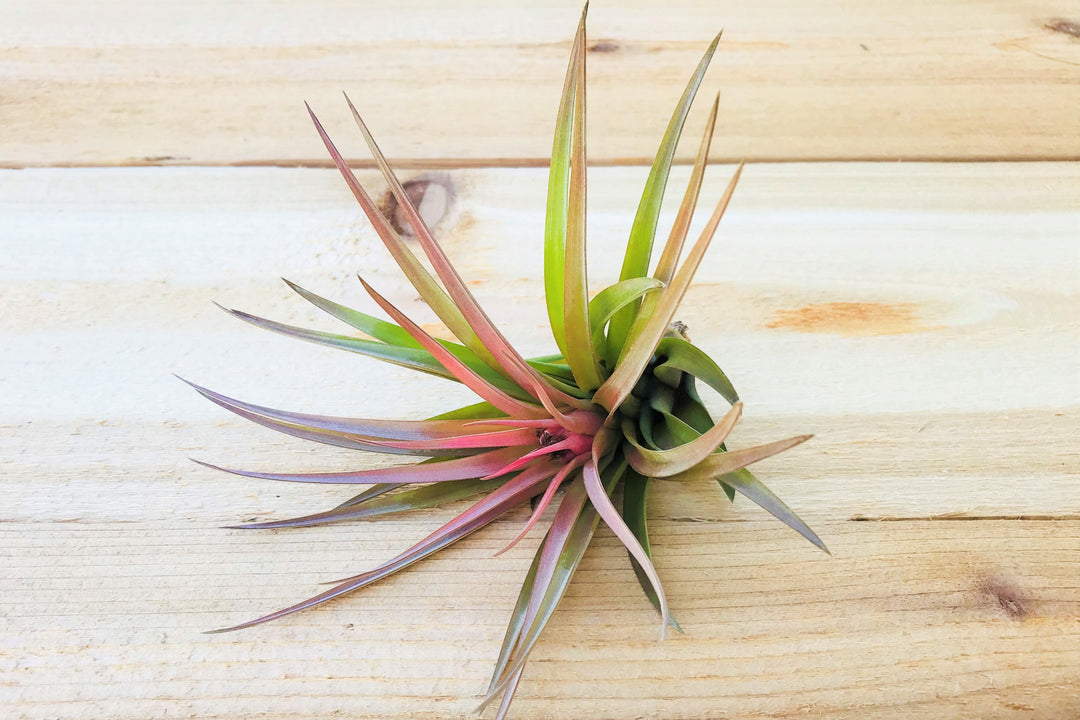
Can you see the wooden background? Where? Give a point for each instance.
(919, 317)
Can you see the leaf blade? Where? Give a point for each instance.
(459, 468)
(414, 499)
(745, 482)
(610, 515)
(639, 245)
(610, 300)
(373, 428)
(665, 463)
(409, 357)
(379, 329)
(669, 257)
(460, 371)
(556, 560)
(646, 335)
(635, 493)
(558, 197)
(486, 510)
(686, 357)
(430, 290)
(579, 346)
(326, 437)
(491, 346)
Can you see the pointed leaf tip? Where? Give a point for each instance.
(745, 482)
(643, 231)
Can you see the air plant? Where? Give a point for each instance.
(614, 413)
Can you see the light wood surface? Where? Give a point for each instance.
(121, 82)
(920, 319)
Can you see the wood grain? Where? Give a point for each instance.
(126, 82)
(909, 619)
(920, 319)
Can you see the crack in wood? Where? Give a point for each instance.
(958, 516)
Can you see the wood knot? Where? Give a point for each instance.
(1066, 27)
(604, 46)
(1007, 596)
(430, 197)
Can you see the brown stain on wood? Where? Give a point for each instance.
(850, 318)
(465, 226)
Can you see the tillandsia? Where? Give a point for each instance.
(612, 415)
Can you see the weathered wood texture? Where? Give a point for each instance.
(920, 319)
(124, 81)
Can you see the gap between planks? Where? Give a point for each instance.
(451, 164)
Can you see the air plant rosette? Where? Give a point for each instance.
(613, 415)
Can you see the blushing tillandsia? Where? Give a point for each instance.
(615, 412)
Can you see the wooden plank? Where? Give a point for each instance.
(920, 318)
(909, 619)
(126, 82)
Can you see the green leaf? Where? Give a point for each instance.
(426, 285)
(395, 335)
(743, 481)
(552, 370)
(665, 463)
(686, 421)
(376, 490)
(671, 432)
(639, 246)
(579, 345)
(413, 357)
(486, 390)
(517, 617)
(728, 490)
(681, 355)
(669, 258)
(645, 426)
(386, 332)
(556, 560)
(503, 498)
(558, 199)
(661, 396)
(635, 490)
(729, 469)
(414, 499)
(601, 500)
(646, 334)
(476, 411)
(610, 300)
(690, 409)
(490, 345)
